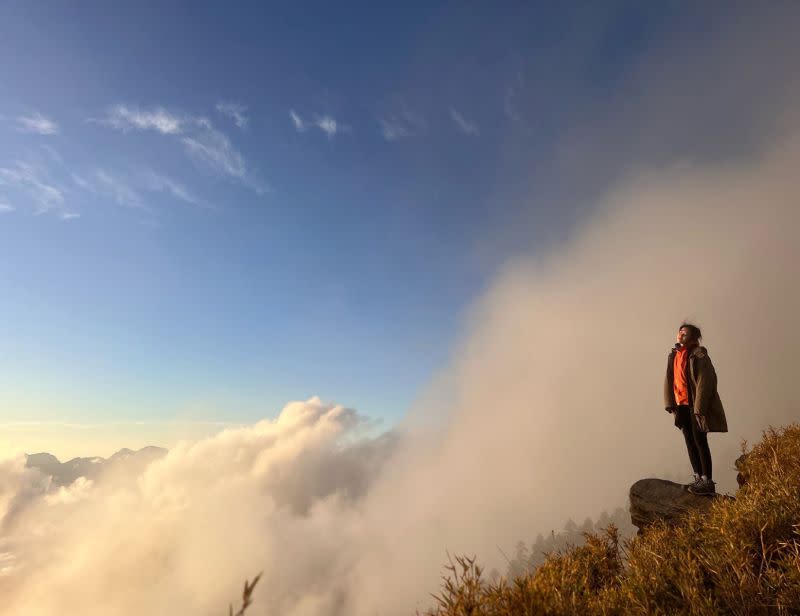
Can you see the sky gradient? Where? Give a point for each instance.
(206, 213)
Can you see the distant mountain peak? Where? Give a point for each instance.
(63, 474)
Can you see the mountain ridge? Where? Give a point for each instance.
(65, 473)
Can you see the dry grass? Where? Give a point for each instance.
(246, 597)
(742, 557)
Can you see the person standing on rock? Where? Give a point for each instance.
(690, 394)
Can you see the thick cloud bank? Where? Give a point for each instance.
(281, 496)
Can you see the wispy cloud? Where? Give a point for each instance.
(327, 125)
(5, 208)
(118, 189)
(126, 118)
(392, 130)
(202, 142)
(109, 185)
(236, 111)
(324, 122)
(32, 181)
(214, 149)
(128, 191)
(403, 125)
(298, 122)
(81, 181)
(161, 183)
(53, 154)
(465, 126)
(36, 123)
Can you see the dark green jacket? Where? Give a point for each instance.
(703, 396)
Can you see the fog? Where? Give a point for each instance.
(549, 408)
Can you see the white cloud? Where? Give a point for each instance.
(242, 499)
(106, 184)
(298, 122)
(236, 111)
(36, 123)
(31, 180)
(81, 181)
(402, 125)
(214, 149)
(157, 182)
(5, 208)
(465, 126)
(392, 130)
(326, 124)
(126, 118)
(202, 142)
(53, 154)
(119, 190)
(126, 192)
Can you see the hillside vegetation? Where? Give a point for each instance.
(740, 557)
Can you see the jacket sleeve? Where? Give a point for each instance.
(706, 386)
(669, 392)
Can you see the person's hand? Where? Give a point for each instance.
(671, 409)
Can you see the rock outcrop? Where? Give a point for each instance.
(659, 499)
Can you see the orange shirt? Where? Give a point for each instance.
(679, 384)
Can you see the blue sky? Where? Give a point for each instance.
(209, 210)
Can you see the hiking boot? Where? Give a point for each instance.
(698, 480)
(704, 487)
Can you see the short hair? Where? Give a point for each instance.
(693, 330)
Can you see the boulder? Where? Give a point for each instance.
(659, 499)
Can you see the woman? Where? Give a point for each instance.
(690, 394)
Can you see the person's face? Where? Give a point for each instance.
(684, 336)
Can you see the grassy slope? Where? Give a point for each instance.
(741, 557)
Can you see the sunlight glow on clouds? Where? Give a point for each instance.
(292, 481)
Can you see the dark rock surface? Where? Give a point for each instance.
(659, 499)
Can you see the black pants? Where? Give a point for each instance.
(696, 442)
